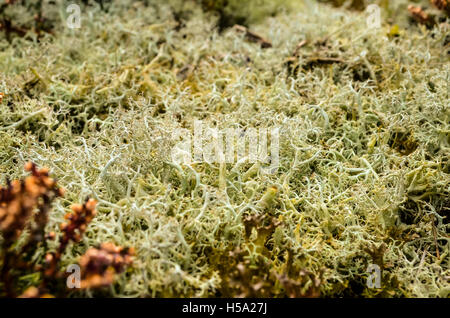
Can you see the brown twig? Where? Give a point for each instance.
(252, 37)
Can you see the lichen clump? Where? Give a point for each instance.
(363, 117)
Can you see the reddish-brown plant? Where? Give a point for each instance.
(20, 201)
(24, 205)
(443, 5)
(420, 16)
(73, 229)
(100, 265)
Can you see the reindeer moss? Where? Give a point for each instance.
(364, 142)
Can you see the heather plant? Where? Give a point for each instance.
(363, 173)
(24, 214)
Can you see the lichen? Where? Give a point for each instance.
(364, 141)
